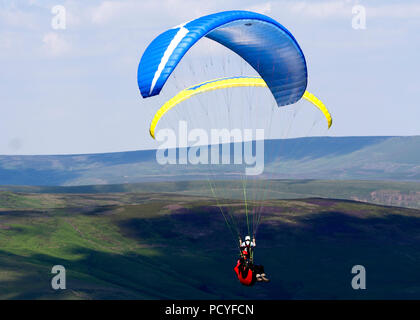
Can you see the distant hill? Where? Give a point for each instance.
(344, 158)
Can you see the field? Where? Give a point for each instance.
(390, 193)
(146, 245)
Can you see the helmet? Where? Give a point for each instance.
(247, 240)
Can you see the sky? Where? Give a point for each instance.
(74, 90)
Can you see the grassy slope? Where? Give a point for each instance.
(403, 194)
(176, 246)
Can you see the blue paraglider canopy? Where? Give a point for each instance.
(261, 41)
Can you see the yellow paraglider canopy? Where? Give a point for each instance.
(222, 84)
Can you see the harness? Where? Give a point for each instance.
(245, 273)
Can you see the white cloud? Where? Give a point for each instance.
(54, 44)
(399, 11)
(343, 8)
(14, 18)
(145, 12)
(104, 40)
(323, 9)
(107, 10)
(263, 8)
(6, 40)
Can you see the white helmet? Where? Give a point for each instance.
(247, 240)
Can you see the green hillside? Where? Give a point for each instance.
(390, 193)
(150, 245)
